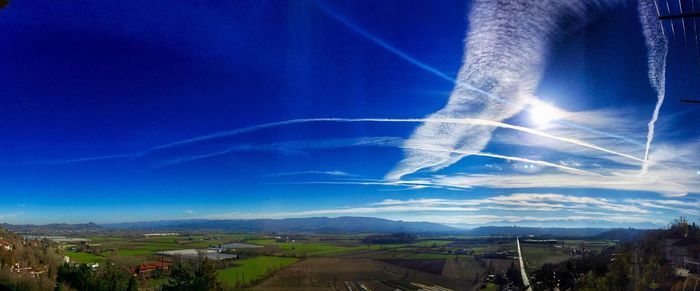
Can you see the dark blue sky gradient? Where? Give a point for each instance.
(99, 78)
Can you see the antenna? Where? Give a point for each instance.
(684, 53)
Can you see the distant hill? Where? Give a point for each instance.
(537, 231)
(57, 228)
(312, 224)
(338, 225)
(578, 223)
(623, 234)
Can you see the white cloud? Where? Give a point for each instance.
(515, 207)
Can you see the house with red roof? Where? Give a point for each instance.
(147, 268)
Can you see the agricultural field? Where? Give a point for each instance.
(310, 249)
(433, 266)
(316, 248)
(342, 262)
(84, 258)
(326, 274)
(137, 249)
(252, 269)
(536, 256)
(465, 267)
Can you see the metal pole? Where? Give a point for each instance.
(679, 16)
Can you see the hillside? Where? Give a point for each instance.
(26, 264)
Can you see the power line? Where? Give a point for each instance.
(673, 33)
(688, 74)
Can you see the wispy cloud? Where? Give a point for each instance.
(520, 206)
(528, 201)
(328, 173)
(80, 160)
(504, 56)
(657, 49)
(688, 207)
(480, 123)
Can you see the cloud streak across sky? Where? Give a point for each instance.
(517, 207)
(504, 56)
(479, 139)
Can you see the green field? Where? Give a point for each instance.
(431, 243)
(84, 258)
(252, 269)
(135, 252)
(431, 256)
(146, 248)
(322, 249)
(330, 259)
(302, 249)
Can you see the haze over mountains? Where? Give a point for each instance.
(313, 224)
(349, 225)
(574, 223)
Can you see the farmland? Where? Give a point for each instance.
(85, 258)
(536, 256)
(252, 269)
(335, 262)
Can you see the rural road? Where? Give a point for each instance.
(526, 281)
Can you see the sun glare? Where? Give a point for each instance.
(542, 113)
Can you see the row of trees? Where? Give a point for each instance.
(110, 277)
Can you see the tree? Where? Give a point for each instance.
(180, 278)
(619, 275)
(185, 277)
(112, 278)
(205, 276)
(680, 224)
(132, 285)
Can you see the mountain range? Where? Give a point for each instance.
(347, 224)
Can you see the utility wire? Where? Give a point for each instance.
(675, 68)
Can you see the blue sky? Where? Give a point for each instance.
(431, 111)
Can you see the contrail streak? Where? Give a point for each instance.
(459, 121)
(352, 26)
(375, 141)
(503, 60)
(249, 129)
(81, 160)
(511, 158)
(428, 68)
(656, 61)
(611, 135)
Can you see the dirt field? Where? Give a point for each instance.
(499, 265)
(433, 266)
(463, 267)
(326, 274)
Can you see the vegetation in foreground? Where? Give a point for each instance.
(341, 262)
(641, 264)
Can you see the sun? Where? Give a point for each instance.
(542, 113)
